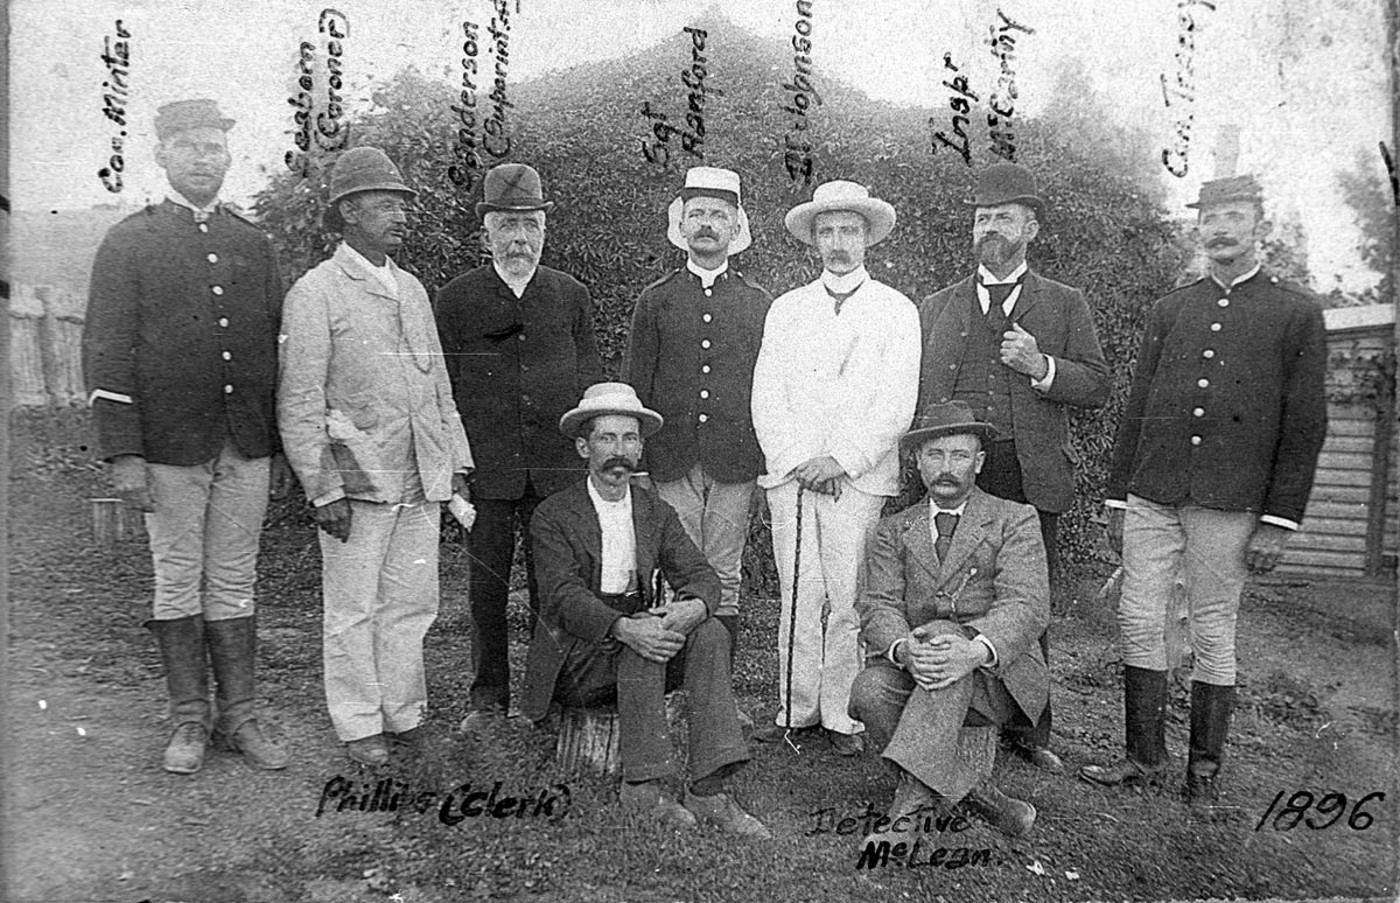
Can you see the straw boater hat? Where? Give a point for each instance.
(361, 169)
(512, 187)
(841, 195)
(1231, 188)
(1007, 183)
(708, 181)
(190, 114)
(609, 398)
(946, 419)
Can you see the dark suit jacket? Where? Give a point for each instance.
(516, 366)
(994, 581)
(1248, 439)
(1059, 318)
(568, 569)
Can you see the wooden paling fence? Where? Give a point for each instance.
(46, 331)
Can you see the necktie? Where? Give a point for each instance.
(840, 297)
(997, 293)
(947, 524)
(201, 216)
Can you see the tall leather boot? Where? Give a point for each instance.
(233, 651)
(1145, 723)
(731, 624)
(181, 642)
(1211, 706)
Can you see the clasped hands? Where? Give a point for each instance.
(938, 661)
(820, 474)
(658, 633)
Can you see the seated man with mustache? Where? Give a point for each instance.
(604, 637)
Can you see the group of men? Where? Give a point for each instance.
(914, 628)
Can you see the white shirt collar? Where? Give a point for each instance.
(707, 277)
(848, 282)
(385, 273)
(176, 197)
(986, 277)
(934, 509)
(602, 504)
(1238, 279)
(516, 285)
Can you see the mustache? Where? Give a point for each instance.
(618, 461)
(706, 232)
(1221, 243)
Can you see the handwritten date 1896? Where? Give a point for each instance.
(1331, 807)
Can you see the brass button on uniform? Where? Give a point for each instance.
(212, 258)
(703, 418)
(704, 393)
(228, 355)
(1199, 412)
(1223, 302)
(704, 343)
(707, 318)
(1203, 383)
(1215, 327)
(204, 227)
(228, 390)
(705, 369)
(1208, 354)
(223, 321)
(218, 289)
(1195, 440)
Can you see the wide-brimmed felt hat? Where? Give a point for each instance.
(1006, 183)
(841, 195)
(361, 169)
(610, 398)
(947, 419)
(190, 114)
(1231, 188)
(708, 181)
(512, 187)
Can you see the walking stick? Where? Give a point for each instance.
(792, 622)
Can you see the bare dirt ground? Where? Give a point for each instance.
(89, 815)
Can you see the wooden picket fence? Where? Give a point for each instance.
(46, 333)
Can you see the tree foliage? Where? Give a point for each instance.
(583, 130)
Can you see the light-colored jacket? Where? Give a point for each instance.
(841, 385)
(363, 400)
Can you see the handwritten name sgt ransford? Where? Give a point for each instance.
(117, 57)
(693, 135)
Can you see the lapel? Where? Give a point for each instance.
(918, 538)
(643, 533)
(367, 283)
(964, 303)
(590, 531)
(1030, 296)
(972, 529)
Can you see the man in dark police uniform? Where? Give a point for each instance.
(180, 352)
(520, 350)
(1211, 471)
(691, 352)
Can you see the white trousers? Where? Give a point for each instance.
(832, 554)
(380, 593)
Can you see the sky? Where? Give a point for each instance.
(1305, 81)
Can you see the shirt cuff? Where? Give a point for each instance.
(1116, 503)
(992, 650)
(1283, 522)
(334, 495)
(889, 653)
(1043, 385)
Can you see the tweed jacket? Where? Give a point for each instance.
(690, 356)
(994, 582)
(364, 397)
(180, 344)
(516, 366)
(833, 384)
(1059, 318)
(568, 567)
(1227, 408)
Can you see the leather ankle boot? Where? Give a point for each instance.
(181, 642)
(233, 653)
(1145, 723)
(1211, 707)
(1010, 816)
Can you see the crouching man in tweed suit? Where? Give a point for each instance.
(956, 596)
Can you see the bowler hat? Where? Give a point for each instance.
(512, 186)
(841, 195)
(1231, 188)
(190, 114)
(947, 419)
(1006, 183)
(600, 399)
(361, 169)
(708, 181)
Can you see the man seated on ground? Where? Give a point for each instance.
(956, 595)
(604, 638)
